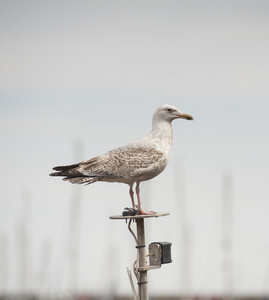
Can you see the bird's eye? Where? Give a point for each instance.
(169, 109)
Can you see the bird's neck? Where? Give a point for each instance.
(162, 134)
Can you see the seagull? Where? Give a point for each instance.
(132, 163)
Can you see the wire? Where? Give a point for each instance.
(129, 227)
(132, 284)
(135, 266)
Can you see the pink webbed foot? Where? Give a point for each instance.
(142, 212)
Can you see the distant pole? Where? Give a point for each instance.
(4, 263)
(227, 232)
(45, 268)
(23, 247)
(74, 231)
(143, 282)
(182, 211)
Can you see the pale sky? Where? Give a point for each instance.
(91, 73)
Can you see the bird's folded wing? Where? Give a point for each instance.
(120, 162)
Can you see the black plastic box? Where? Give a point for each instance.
(166, 252)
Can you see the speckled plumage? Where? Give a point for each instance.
(135, 162)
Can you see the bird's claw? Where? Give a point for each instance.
(130, 212)
(142, 212)
(134, 212)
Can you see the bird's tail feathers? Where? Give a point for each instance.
(73, 174)
(69, 170)
(82, 180)
(65, 168)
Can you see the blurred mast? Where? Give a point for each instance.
(3, 264)
(45, 268)
(23, 245)
(75, 212)
(181, 206)
(227, 233)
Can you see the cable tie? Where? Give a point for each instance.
(142, 282)
(140, 246)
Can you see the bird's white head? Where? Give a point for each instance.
(168, 113)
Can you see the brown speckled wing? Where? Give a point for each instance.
(120, 163)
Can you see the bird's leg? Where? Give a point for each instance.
(142, 212)
(131, 192)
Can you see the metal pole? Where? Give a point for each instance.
(141, 264)
(141, 248)
(227, 233)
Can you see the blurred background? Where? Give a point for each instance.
(79, 78)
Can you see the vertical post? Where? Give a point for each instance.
(227, 234)
(143, 278)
